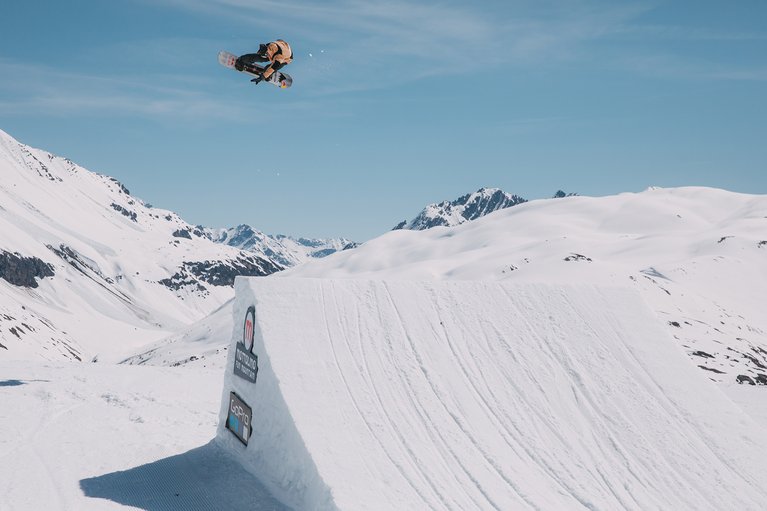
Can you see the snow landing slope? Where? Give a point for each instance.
(482, 395)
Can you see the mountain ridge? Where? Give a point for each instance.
(82, 259)
(466, 208)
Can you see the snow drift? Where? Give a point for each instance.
(481, 395)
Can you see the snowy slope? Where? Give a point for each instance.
(698, 256)
(482, 395)
(203, 343)
(87, 270)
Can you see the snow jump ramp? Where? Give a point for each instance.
(375, 395)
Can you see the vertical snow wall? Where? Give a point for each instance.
(374, 395)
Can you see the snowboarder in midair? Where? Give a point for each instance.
(277, 53)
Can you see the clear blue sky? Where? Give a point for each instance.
(395, 104)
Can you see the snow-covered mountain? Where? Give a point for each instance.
(463, 209)
(88, 269)
(285, 250)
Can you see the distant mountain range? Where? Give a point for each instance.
(284, 250)
(289, 251)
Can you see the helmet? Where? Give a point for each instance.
(286, 81)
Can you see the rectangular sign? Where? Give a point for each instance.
(239, 418)
(245, 364)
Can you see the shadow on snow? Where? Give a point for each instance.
(17, 383)
(201, 479)
(12, 383)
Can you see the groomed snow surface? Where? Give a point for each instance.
(481, 395)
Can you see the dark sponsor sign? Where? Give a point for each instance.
(245, 364)
(239, 418)
(248, 328)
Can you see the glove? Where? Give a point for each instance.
(257, 79)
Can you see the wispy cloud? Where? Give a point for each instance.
(355, 45)
(39, 89)
(669, 66)
(374, 44)
(683, 33)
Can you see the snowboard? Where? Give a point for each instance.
(278, 78)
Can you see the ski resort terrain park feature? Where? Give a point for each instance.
(383, 395)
